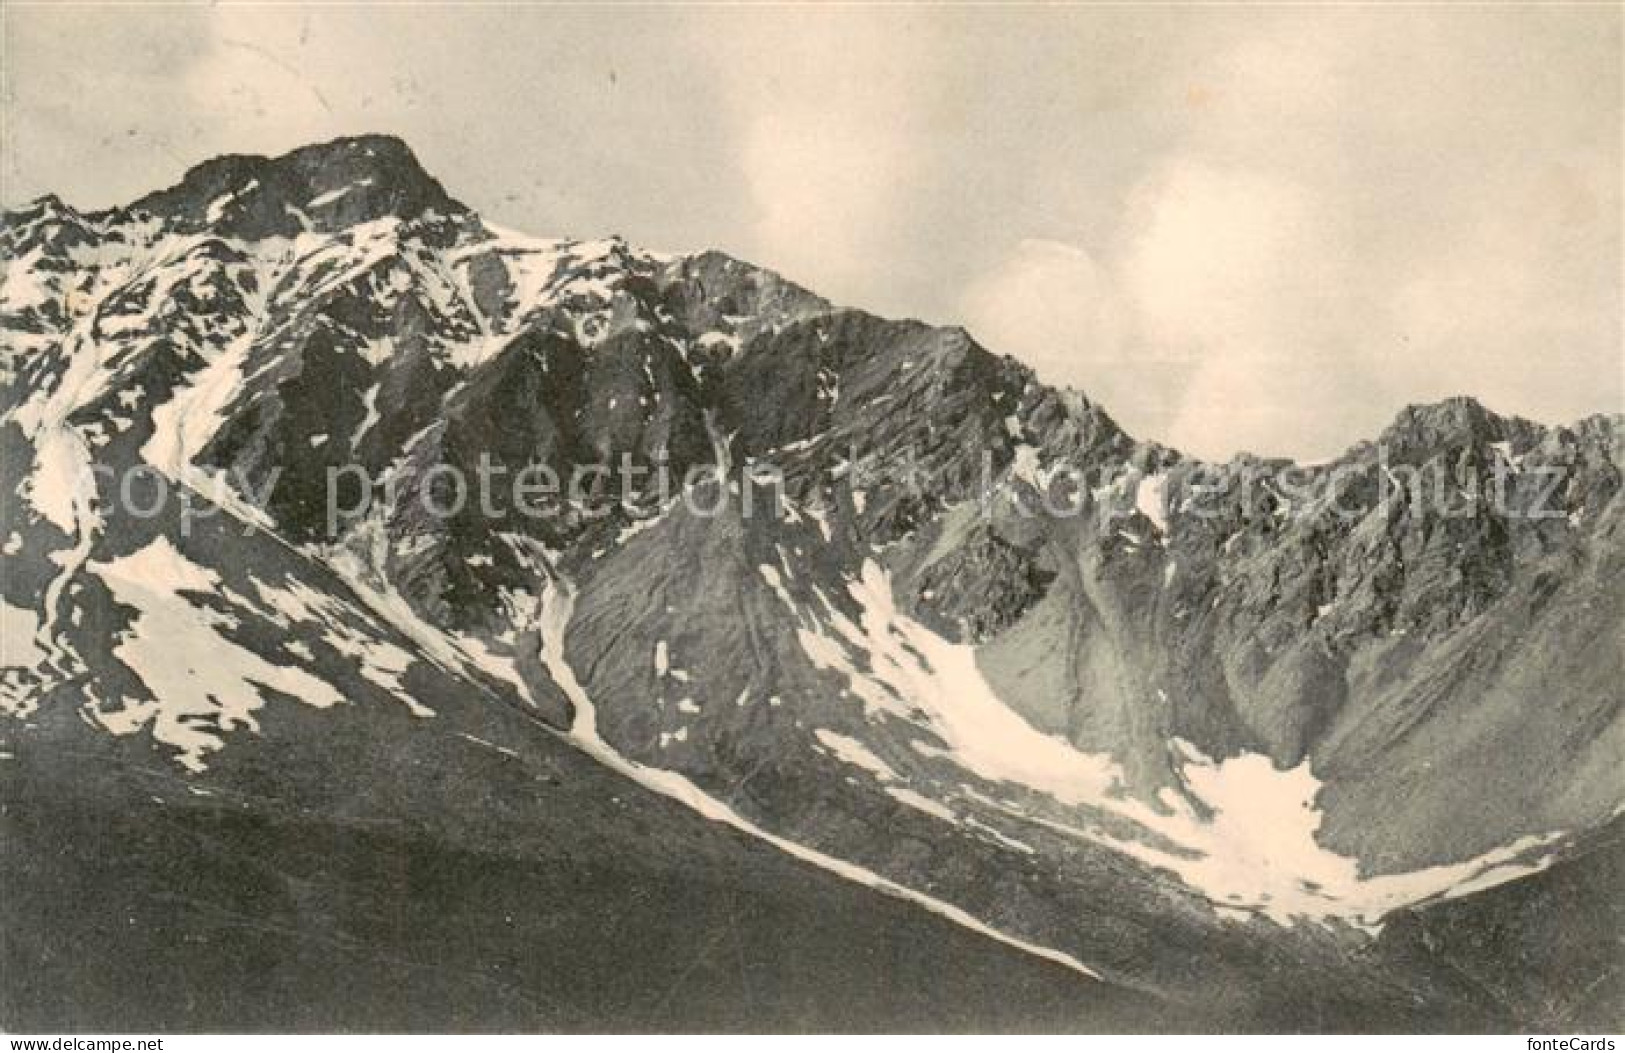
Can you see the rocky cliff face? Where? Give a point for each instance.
(898, 604)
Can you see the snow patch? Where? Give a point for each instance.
(922, 803)
(1246, 831)
(1150, 500)
(297, 605)
(20, 657)
(62, 484)
(369, 402)
(217, 208)
(336, 194)
(505, 751)
(1026, 466)
(203, 684)
(855, 753)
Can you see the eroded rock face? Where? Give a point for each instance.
(980, 588)
(965, 632)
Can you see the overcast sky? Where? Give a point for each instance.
(1263, 228)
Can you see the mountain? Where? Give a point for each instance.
(361, 551)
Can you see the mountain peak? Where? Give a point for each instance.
(322, 187)
(45, 221)
(39, 206)
(1425, 428)
(380, 144)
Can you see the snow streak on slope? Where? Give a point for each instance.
(360, 563)
(558, 601)
(63, 489)
(183, 426)
(1246, 831)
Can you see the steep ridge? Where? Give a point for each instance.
(399, 847)
(1178, 721)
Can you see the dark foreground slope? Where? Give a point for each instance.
(1551, 943)
(409, 879)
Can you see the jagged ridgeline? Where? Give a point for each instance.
(319, 486)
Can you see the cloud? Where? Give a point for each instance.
(259, 78)
(1346, 211)
(824, 191)
(1050, 303)
(1253, 227)
(1232, 261)
(1251, 278)
(1059, 310)
(835, 138)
